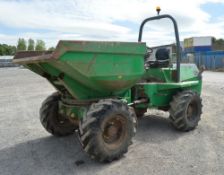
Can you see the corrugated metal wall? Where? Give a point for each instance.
(198, 44)
(211, 60)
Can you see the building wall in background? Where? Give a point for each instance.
(198, 44)
(6, 61)
(198, 49)
(210, 60)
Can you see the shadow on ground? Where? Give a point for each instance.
(51, 155)
(156, 129)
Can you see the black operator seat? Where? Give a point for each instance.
(162, 59)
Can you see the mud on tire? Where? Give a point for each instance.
(185, 110)
(51, 120)
(107, 130)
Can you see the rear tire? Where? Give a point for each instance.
(185, 110)
(52, 121)
(107, 130)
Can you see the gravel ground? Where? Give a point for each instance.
(26, 148)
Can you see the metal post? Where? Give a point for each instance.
(178, 52)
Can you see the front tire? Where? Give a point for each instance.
(52, 121)
(185, 110)
(107, 130)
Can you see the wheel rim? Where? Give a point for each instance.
(114, 131)
(192, 110)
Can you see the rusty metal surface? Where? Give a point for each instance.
(99, 47)
(64, 46)
(96, 69)
(24, 54)
(115, 84)
(25, 57)
(114, 131)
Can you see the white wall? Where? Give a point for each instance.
(202, 41)
(6, 57)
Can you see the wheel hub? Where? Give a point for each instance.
(192, 111)
(189, 111)
(114, 130)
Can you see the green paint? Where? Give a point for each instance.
(85, 70)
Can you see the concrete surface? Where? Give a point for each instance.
(26, 148)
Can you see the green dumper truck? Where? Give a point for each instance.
(104, 87)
